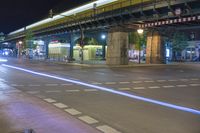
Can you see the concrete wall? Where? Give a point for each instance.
(117, 48)
(155, 48)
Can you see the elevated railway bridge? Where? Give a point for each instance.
(117, 18)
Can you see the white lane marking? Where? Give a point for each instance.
(194, 84)
(168, 86)
(136, 82)
(161, 80)
(90, 90)
(72, 90)
(96, 83)
(124, 89)
(88, 119)
(139, 88)
(73, 111)
(194, 79)
(3, 71)
(60, 105)
(15, 85)
(183, 79)
(149, 81)
(3, 80)
(181, 85)
(107, 129)
(172, 80)
(33, 85)
(40, 96)
(153, 87)
(119, 75)
(49, 100)
(124, 82)
(51, 84)
(66, 84)
(53, 91)
(100, 73)
(32, 92)
(110, 83)
(12, 91)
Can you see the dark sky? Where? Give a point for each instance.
(16, 14)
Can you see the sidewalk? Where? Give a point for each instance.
(20, 111)
(101, 64)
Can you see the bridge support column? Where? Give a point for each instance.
(155, 48)
(117, 48)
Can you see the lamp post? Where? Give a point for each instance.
(19, 45)
(140, 32)
(103, 37)
(80, 28)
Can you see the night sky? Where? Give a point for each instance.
(16, 14)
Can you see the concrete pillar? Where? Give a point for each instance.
(155, 48)
(117, 48)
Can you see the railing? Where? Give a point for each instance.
(89, 14)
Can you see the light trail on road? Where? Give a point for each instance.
(157, 102)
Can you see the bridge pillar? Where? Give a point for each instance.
(155, 48)
(117, 48)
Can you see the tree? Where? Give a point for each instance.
(28, 42)
(87, 41)
(138, 41)
(179, 43)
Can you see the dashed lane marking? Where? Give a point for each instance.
(72, 90)
(172, 80)
(96, 83)
(88, 119)
(149, 81)
(136, 82)
(184, 79)
(90, 90)
(15, 85)
(40, 96)
(139, 88)
(66, 84)
(51, 84)
(60, 105)
(119, 75)
(33, 85)
(194, 84)
(169, 86)
(32, 92)
(53, 91)
(124, 82)
(181, 85)
(107, 129)
(153, 87)
(12, 91)
(161, 80)
(194, 79)
(124, 89)
(49, 100)
(73, 111)
(110, 83)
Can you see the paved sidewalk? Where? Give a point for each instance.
(85, 64)
(20, 111)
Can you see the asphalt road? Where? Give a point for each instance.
(108, 111)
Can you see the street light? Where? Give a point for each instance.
(51, 13)
(103, 37)
(19, 48)
(140, 32)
